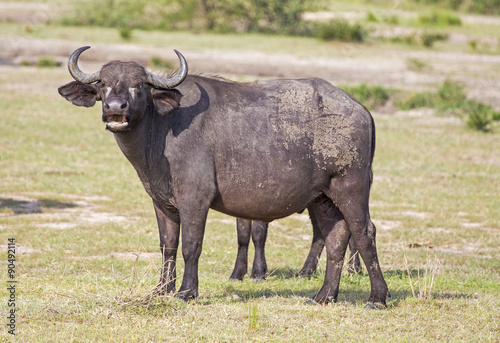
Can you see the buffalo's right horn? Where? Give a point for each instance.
(77, 74)
(173, 81)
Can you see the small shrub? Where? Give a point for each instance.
(394, 20)
(47, 62)
(410, 39)
(158, 62)
(341, 30)
(442, 19)
(371, 17)
(451, 97)
(417, 100)
(125, 33)
(479, 117)
(473, 44)
(428, 39)
(370, 96)
(416, 64)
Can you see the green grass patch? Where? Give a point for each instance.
(451, 98)
(439, 19)
(369, 96)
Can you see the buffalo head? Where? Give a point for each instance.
(126, 90)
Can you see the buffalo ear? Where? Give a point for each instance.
(166, 101)
(79, 94)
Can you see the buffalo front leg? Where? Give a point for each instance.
(336, 235)
(168, 226)
(243, 229)
(259, 236)
(193, 229)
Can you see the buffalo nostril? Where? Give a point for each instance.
(124, 105)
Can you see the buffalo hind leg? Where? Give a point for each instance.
(243, 230)
(354, 261)
(258, 231)
(259, 236)
(336, 235)
(317, 245)
(352, 197)
(168, 227)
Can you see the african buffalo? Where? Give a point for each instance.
(285, 145)
(258, 231)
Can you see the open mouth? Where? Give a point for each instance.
(116, 122)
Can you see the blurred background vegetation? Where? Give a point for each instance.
(431, 22)
(261, 16)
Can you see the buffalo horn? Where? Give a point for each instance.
(77, 74)
(173, 81)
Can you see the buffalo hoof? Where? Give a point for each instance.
(235, 278)
(325, 301)
(375, 306)
(306, 272)
(186, 296)
(311, 302)
(259, 276)
(160, 290)
(258, 279)
(237, 275)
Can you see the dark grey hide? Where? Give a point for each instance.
(257, 230)
(259, 151)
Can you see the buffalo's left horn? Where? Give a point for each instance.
(77, 74)
(173, 81)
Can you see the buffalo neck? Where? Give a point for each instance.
(144, 145)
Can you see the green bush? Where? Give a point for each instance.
(417, 100)
(443, 19)
(127, 15)
(47, 62)
(489, 7)
(125, 33)
(269, 16)
(370, 96)
(451, 95)
(160, 63)
(341, 30)
(479, 116)
(428, 39)
(451, 98)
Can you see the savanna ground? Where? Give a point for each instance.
(87, 252)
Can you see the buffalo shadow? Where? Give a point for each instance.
(20, 207)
